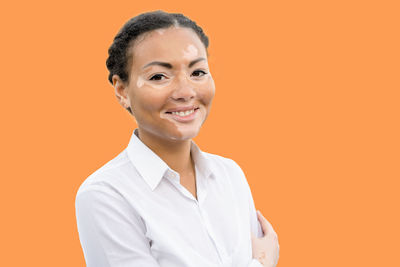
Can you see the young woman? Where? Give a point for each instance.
(162, 201)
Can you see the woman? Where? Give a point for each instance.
(162, 201)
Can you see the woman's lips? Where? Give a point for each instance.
(184, 116)
(178, 109)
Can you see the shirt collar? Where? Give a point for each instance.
(152, 168)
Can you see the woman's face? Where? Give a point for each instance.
(170, 87)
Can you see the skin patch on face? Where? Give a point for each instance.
(179, 128)
(171, 123)
(190, 52)
(160, 31)
(140, 82)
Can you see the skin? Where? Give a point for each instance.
(153, 89)
(266, 248)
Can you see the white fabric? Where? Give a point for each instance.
(133, 211)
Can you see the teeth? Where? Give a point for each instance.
(183, 113)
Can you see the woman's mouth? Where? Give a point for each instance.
(184, 116)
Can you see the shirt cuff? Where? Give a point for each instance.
(255, 263)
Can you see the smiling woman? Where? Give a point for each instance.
(169, 77)
(162, 201)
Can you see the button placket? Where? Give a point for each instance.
(221, 254)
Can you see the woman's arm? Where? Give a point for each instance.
(265, 246)
(255, 225)
(111, 233)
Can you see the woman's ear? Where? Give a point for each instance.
(121, 91)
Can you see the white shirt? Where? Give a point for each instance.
(133, 211)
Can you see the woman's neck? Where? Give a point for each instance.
(176, 154)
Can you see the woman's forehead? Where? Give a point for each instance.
(170, 44)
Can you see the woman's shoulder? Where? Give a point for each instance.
(225, 162)
(104, 177)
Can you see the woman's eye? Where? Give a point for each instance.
(157, 77)
(198, 73)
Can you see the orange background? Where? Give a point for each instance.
(307, 103)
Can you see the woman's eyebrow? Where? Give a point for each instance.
(195, 61)
(163, 64)
(169, 66)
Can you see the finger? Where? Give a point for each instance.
(266, 224)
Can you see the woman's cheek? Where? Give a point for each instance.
(207, 91)
(148, 100)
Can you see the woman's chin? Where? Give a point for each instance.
(185, 134)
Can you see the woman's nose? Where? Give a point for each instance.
(184, 89)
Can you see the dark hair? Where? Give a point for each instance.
(118, 60)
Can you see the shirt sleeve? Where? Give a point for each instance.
(255, 229)
(110, 231)
(255, 225)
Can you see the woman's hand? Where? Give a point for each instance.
(266, 248)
